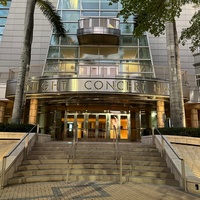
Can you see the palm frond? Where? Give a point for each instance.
(53, 17)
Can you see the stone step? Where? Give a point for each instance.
(99, 154)
(124, 160)
(51, 148)
(93, 161)
(64, 161)
(79, 171)
(49, 152)
(153, 174)
(32, 179)
(153, 180)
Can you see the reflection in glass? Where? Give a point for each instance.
(90, 4)
(128, 41)
(89, 52)
(54, 40)
(126, 28)
(53, 52)
(3, 21)
(108, 52)
(143, 40)
(109, 14)
(144, 53)
(69, 40)
(129, 53)
(105, 5)
(89, 13)
(71, 27)
(70, 16)
(3, 13)
(68, 52)
(69, 4)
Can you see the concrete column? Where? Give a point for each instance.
(43, 119)
(160, 113)
(194, 118)
(33, 111)
(2, 113)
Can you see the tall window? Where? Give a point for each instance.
(3, 17)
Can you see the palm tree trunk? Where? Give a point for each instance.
(177, 111)
(25, 61)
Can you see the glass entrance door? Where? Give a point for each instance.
(97, 126)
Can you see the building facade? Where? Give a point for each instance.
(99, 81)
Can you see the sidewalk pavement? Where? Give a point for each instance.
(93, 191)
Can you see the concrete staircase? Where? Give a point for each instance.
(93, 161)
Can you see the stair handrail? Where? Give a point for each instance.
(8, 155)
(181, 159)
(116, 144)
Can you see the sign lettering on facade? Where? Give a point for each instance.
(97, 85)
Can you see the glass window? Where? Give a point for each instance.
(7, 6)
(130, 18)
(69, 40)
(71, 27)
(143, 40)
(89, 13)
(3, 13)
(144, 53)
(105, 5)
(70, 16)
(128, 41)
(109, 53)
(53, 52)
(90, 4)
(126, 28)
(54, 40)
(129, 53)
(68, 52)
(109, 14)
(1, 30)
(69, 4)
(89, 53)
(3, 21)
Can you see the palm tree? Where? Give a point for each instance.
(50, 12)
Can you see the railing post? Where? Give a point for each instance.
(153, 135)
(3, 172)
(38, 128)
(162, 151)
(120, 173)
(26, 145)
(67, 179)
(183, 175)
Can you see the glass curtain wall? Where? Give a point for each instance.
(65, 55)
(4, 10)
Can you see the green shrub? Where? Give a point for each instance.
(17, 128)
(190, 132)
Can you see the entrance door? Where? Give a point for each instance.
(97, 126)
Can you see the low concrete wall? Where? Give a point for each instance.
(11, 135)
(192, 182)
(16, 158)
(43, 138)
(183, 140)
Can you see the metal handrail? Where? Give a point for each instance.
(181, 159)
(5, 157)
(116, 144)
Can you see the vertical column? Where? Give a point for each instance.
(2, 113)
(42, 118)
(194, 118)
(33, 111)
(160, 113)
(133, 127)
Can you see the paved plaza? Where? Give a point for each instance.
(93, 190)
